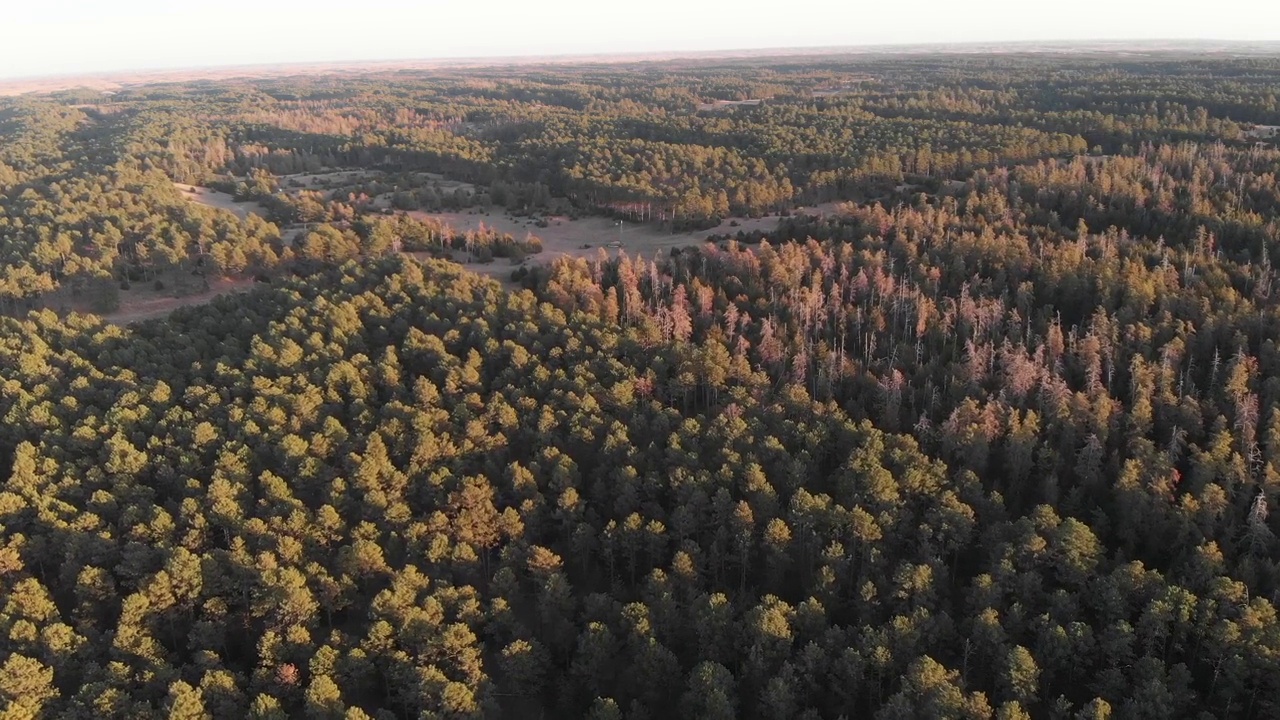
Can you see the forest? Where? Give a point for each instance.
(998, 437)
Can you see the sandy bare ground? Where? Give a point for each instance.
(727, 104)
(340, 177)
(561, 238)
(138, 305)
(143, 301)
(216, 199)
(442, 185)
(851, 85)
(584, 238)
(446, 183)
(1263, 131)
(328, 179)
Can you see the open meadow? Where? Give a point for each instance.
(562, 237)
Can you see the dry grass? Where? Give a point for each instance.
(142, 301)
(562, 238)
(445, 183)
(141, 304)
(584, 238)
(216, 199)
(728, 104)
(329, 180)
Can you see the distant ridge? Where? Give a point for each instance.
(111, 81)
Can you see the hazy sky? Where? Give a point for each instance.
(43, 37)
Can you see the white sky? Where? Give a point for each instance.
(45, 37)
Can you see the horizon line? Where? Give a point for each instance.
(1045, 46)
